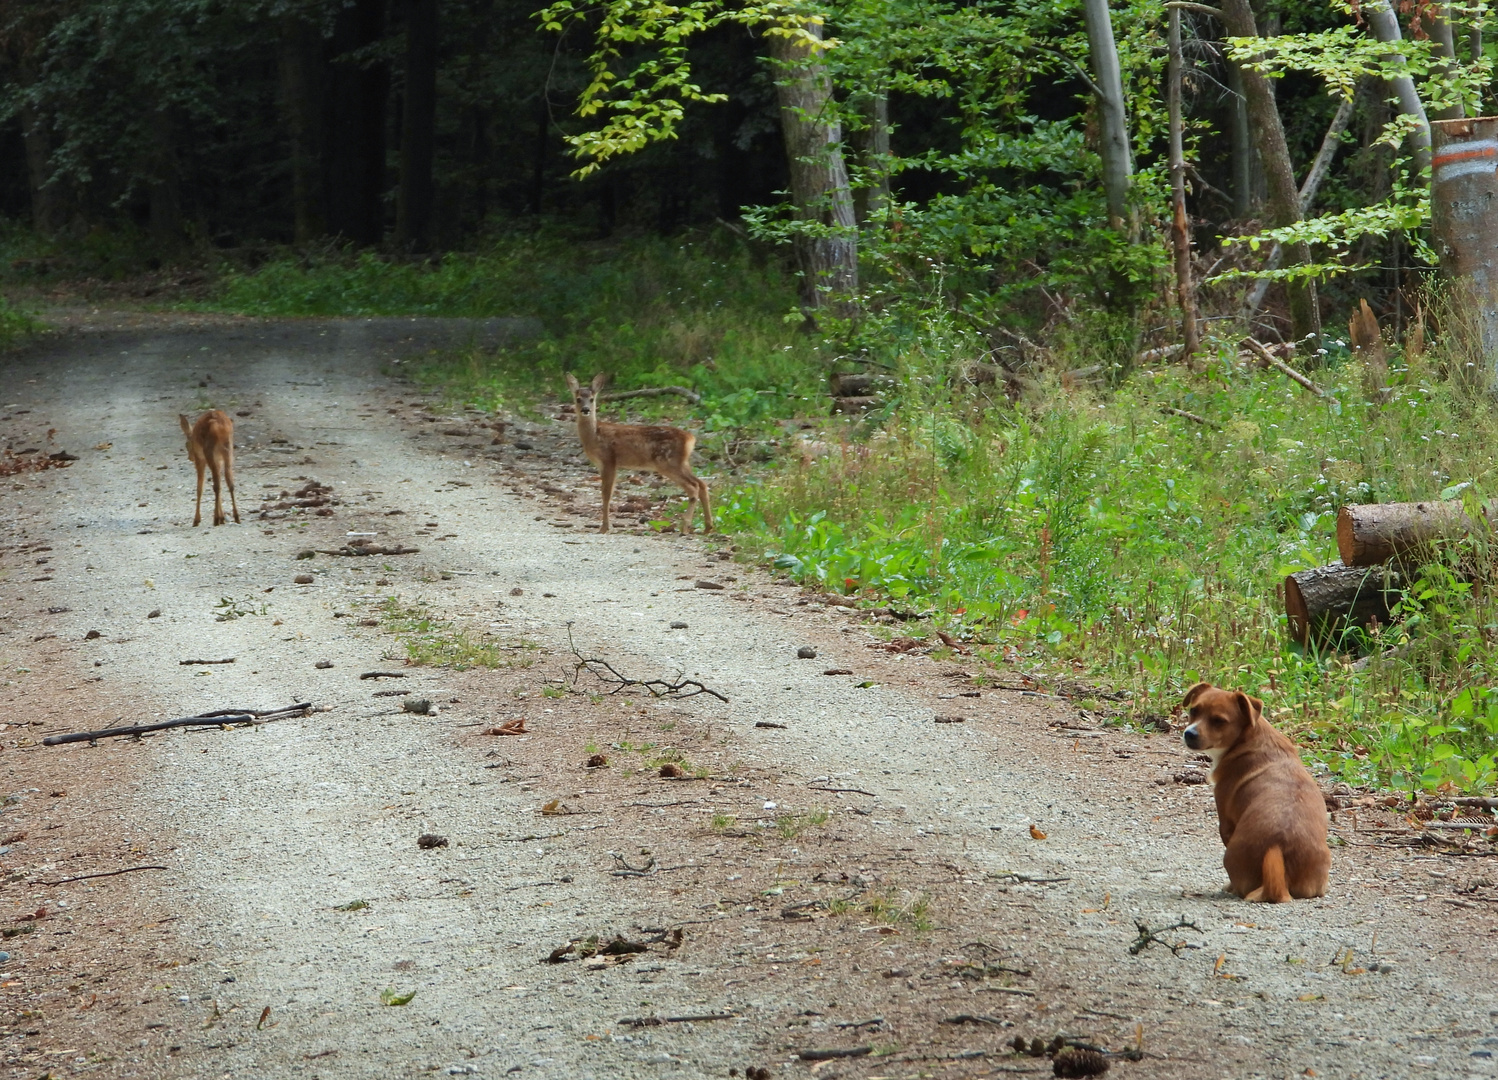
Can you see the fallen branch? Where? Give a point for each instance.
(1285, 369)
(230, 660)
(217, 718)
(1184, 415)
(371, 549)
(970, 1018)
(832, 1055)
(623, 869)
(850, 790)
(656, 1021)
(654, 391)
(106, 873)
(1148, 937)
(383, 675)
(608, 674)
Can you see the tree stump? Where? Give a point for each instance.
(1322, 602)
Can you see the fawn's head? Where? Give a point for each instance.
(586, 397)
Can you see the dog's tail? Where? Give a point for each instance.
(1274, 889)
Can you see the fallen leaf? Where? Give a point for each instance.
(1036, 834)
(509, 727)
(388, 996)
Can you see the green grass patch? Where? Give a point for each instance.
(790, 826)
(16, 325)
(428, 639)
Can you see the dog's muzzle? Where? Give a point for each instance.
(1192, 738)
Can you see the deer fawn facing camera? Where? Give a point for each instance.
(210, 445)
(661, 449)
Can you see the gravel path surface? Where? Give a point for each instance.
(830, 919)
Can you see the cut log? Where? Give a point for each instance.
(1322, 602)
(859, 385)
(1374, 533)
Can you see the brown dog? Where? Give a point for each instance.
(1269, 811)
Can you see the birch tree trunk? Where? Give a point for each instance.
(828, 251)
(1279, 174)
(1113, 120)
(872, 145)
(1385, 27)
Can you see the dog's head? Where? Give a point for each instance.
(1219, 718)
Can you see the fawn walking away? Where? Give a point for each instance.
(661, 449)
(210, 444)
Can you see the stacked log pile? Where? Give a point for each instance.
(1380, 545)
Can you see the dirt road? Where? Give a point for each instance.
(835, 870)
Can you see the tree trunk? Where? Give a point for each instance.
(1308, 188)
(1385, 27)
(416, 205)
(1180, 233)
(303, 84)
(1440, 33)
(1243, 148)
(1112, 118)
(1375, 533)
(356, 143)
(828, 250)
(871, 144)
(1464, 221)
(1323, 602)
(46, 197)
(165, 188)
(1284, 196)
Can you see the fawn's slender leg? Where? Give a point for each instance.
(218, 495)
(229, 479)
(607, 468)
(197, 510)
(707, 506)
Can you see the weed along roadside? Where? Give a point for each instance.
(577, 804)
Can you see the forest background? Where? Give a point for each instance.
(1032, 239)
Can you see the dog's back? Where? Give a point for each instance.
(1270, 813)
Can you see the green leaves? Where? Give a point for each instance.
(389, 996)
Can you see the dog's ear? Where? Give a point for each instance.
(599, 382)
(572, 383)
(1195, 692)
(1251, 707)
(1256, 705)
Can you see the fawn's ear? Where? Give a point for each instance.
(599, 382)
(571, 383)
(186, 427)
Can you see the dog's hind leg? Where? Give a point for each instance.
(1273, 890)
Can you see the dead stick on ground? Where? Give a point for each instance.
(230, 660)
(835, 790)
(655, 391)
(218, 718)
(1284, 368)
(1148, 937)
(656, 1021)
(830, 1055)
(383, 675)
(107, 873)
(607, 673)
(1184, 415)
